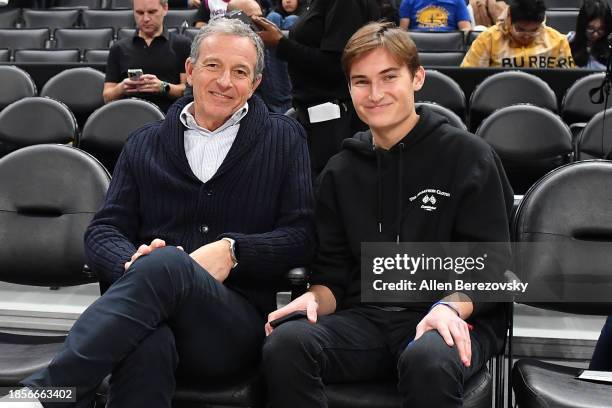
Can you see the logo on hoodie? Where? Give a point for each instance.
(429, 198)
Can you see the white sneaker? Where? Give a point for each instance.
(7, 402)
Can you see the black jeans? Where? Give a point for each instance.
(363, 344)
(166, 311)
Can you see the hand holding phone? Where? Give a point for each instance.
(134, 74)
(298, 314)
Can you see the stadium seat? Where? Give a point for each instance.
(191, 32)
(471, 37)
(16, 38)
(107, 129)
(441, 59)
(176, 18)
(96, 56)
(565, 221)
(108, 18)
(592, 143)
(509, 88)
(563, 4)
(577, 106)
(120, 4)
(450, 41)
(49, 56)
(9, 17)
(48, 197)
(50, 19)
(451, 116)
(5, 55)
(530, 141)
(36, 120)
(16, 84)
(80, 4)
(83, 38)
(78, 88)
(443, 90)
(563, 21)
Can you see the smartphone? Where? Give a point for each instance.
(134, 74)
(240, 15)
(300, 314)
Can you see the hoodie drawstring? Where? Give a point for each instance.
(379, 182)
(400, 193)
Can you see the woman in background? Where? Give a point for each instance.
(286, 12)
(589, 43)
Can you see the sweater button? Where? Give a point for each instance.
(204, 229)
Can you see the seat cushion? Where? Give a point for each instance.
(478, 393)
(542, 385)
(22, 355)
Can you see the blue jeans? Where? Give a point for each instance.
(602, 356)
(165, 312)
(282, 23)
(364, 344)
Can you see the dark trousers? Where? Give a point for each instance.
(602, 356)
(363, 344)
(166, 311)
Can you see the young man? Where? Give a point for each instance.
(522, 40)
(365, 194)
(188, 181)
(159, 54)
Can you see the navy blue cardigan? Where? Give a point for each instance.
(261, 196)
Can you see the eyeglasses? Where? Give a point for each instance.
(527, 32)
(592, 31)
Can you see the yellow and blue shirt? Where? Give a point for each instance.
(434, 15)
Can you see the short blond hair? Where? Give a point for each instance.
(381, 35)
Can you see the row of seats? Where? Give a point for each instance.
(87, 18)
(65, 181)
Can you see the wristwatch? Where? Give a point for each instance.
(232, 249)
(164, 88)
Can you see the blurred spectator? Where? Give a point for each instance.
(181, 4)
(312, 51)
(209, 10)
(522, 40)
(488, 12)
(589, 42)
(286, 13)
(602, 356)
(159, 54)
(434, 15)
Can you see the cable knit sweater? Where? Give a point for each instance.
(261, 196)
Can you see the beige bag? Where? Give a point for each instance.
(488, 12)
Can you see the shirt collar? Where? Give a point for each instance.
(164, 34)
(188, 119)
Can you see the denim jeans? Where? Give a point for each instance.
(165, 312)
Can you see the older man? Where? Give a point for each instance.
(160, 56)
(228, 182)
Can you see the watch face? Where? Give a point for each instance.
(166, 87)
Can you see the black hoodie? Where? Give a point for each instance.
(364, 195)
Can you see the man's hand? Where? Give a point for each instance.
(145, 250)
(452, 328)
(149, 83)
(128, 86)
(270, 34)
(193, 3)
(216, 258)
(307, 303)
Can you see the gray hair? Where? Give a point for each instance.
(229, 26)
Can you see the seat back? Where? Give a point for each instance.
(191, 32)
(48, 197)
(81, 4)
(21, 38)
(49, 56)
(595, 140)
(83, 38)
(509, 88)
(96, 56)
(16, 84)
(120, 4)
(563, 4)
(51, 19)
(451, 116)
(36, 120)
(438, 41)
(563, 21)
(108, 18)
(577, 106)
(567, 214)
(441, 59)
(108, 128)
(176, 18)
(530, 141)
(78, 88)
(9, 17)
(5, 55)
(443, 90)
